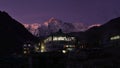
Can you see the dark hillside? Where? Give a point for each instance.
(12, 35)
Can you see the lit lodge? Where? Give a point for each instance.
(59, 42)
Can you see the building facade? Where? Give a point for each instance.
(58, 41)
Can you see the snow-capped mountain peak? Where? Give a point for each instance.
(53, 25)
(93, 25)
(53, 21)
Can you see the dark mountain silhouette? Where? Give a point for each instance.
(93, 36)
(113, 22)
(12, 35)
(97, 35)
(112, 25)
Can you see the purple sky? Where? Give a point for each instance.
(85, 11)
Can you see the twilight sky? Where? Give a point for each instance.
(85, 11)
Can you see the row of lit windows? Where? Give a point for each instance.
(115, 37)
(27, 45)
(69, 46)
(59, 39)
(63, 38)
(26, 48)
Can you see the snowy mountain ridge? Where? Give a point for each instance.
(53, 25)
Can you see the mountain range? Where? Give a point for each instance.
(53, 25)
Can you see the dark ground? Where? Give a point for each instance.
(105, 58)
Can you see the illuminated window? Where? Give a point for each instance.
(42, 47)
(25, 52)
(66, 46)
(70, 39)
(115, 37)
(37, 48)
(25, 45)
(49, 39)
(39, 44)
(61, 38)
(71, 46)
(29, 45)
(69, 49)
(42, 50)
(55, 38)
(73, 38)
(45, 40)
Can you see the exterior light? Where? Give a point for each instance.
(63, 51)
